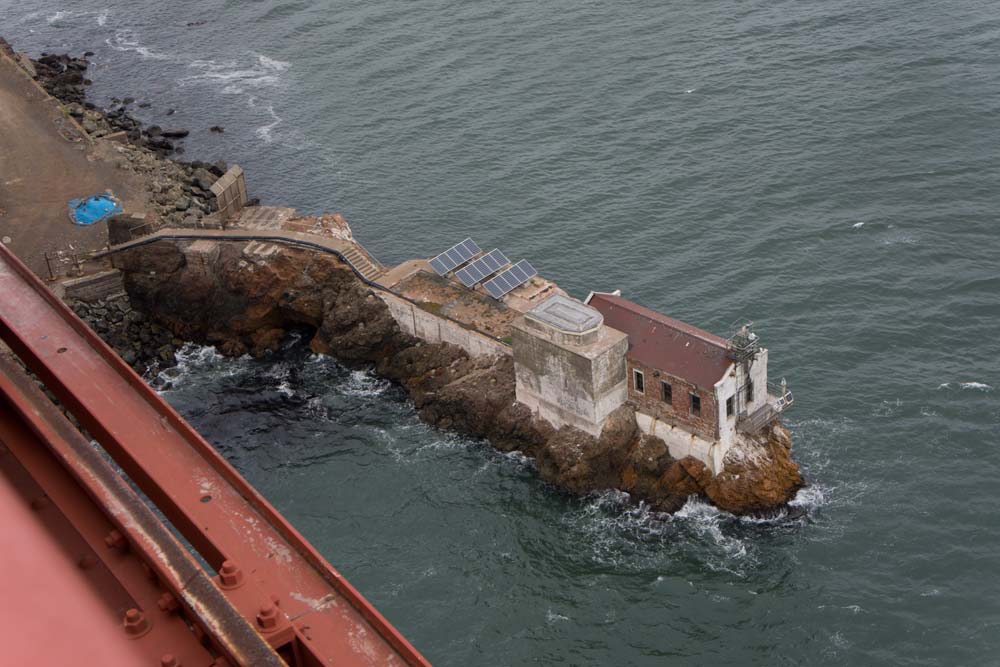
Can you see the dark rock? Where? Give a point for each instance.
(128, 100)
(175, 134)
(204, 179)
(170, 112)
(217, 128)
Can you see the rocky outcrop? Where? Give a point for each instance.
(215, 293)
(142, 343)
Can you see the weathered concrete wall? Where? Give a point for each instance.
(734, 385)
(104, 285)
(682, 442)
(432, 328)
(571, 386)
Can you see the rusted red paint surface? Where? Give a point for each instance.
(285, 590)
(661, 342)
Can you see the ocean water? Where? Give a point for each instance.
(827, 169)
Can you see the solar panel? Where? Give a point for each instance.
(510, 279)
(482, 268)
(454, 256)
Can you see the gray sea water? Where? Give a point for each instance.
(827, 169)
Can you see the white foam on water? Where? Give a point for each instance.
(127, 40)
(266, 131)
(552, 617)
(810, 497)
(58, 16)
(102, 17)
(977, 386)
(887, 408)
(264, 72)
(980, 386)
(189, 359)
(286, 390)
(364, 384)
(857, 225)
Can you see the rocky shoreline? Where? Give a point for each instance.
(242, 304)
(215, 294)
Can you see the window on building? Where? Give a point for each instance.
(730, 408)
(638, 381)
(750, 391)
(666, 392)
(695, 404)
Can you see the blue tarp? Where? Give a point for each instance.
(88, 210)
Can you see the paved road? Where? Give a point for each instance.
(44, 163)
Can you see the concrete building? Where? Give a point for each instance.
(570, 368)
(695, 390)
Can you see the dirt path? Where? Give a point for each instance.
(44, 163)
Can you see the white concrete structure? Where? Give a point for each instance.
(569, 367)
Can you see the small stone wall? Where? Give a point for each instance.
(432, 328)
(104, 285)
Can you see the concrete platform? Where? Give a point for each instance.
(45, 161)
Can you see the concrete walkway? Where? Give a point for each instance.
(345, 250)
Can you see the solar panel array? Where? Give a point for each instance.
(510, 279)
(482, 268)
(458, 254)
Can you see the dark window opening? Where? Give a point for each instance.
(750, 391)
(639, 381)
(729, 407)
(695, 404)
(666, 392)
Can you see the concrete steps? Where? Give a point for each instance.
(362, 264)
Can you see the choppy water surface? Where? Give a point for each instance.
(828, 169)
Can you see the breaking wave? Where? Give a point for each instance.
(364, 383)
(978, 386)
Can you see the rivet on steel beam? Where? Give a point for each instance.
(230, 575)
(136, 624)
(169, 660)
(168, 603)
(267, 618)
(116, 540)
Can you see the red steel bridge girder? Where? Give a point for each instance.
(280, 586)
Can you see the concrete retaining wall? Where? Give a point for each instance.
(432, 328)
(95, 287)
(683, 443)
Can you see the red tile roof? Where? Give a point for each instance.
(664, 343)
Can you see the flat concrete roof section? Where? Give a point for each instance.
(567, 315)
